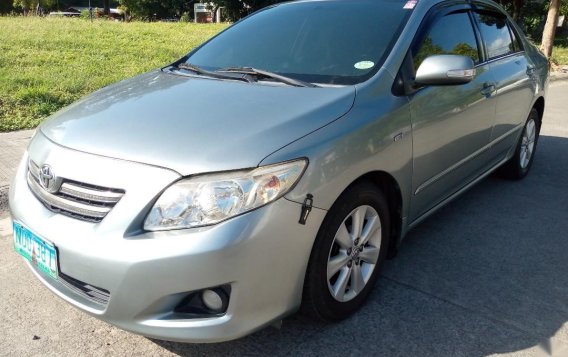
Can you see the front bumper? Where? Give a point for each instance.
(262, 255)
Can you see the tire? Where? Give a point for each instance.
(519, 165)
(354, 260)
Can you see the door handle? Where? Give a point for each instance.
(530, 70)
(488, 89)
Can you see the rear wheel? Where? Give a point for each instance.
(347, 255)
(521, 162)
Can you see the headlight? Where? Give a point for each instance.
(209, 199)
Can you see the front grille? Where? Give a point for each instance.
(97, 295)
(79, 200)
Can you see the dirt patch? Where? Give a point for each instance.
(3, 201)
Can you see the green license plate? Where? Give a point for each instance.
(36, 250)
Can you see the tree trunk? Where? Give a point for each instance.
(214, 14)
(517, 7)
(106, 7)
(550, 28)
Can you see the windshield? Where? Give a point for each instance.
(330, 42)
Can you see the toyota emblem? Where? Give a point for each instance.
(47, 179)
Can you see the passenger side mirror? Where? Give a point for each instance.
(445, 70)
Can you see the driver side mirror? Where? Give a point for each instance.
(445, 70)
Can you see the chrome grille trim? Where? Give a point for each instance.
(95, 294)
(33, 169)
(65, 204)
(75, 199)
(90, 194)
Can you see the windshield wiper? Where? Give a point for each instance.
(203, 72)
(266, 74)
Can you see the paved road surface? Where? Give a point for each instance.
(486, 275)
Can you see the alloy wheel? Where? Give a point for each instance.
(354, 253)
(527, 143)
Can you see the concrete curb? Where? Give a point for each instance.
(12, 147)
(558, 76)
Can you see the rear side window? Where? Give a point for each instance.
(496, 34)
(450, 34)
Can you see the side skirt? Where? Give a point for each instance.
(456, 194)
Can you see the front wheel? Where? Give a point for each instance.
(519, 165)
(347, 254)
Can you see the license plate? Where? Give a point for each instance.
(36, 250)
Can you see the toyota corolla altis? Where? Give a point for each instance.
(277, 165)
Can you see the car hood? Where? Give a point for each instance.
(193, 125)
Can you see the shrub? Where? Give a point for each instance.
(185, 17)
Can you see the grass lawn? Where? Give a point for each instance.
(48, 63)
(560, 51)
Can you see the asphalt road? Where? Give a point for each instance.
(488, 274)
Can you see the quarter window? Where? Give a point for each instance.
(516, 40)
(450, 34)
(496, 34)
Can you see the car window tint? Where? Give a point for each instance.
(336, 42)
(516, 41)
(495, 33)
(450, 34)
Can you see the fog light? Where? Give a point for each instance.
(212, 299)
(209, 302)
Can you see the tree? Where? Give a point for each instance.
(6, 6)
(25, 5)
(235, 9)
(146, 9)
(550, 28)
(514, 7)
(106, 7)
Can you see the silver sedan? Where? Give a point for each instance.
(276, 166)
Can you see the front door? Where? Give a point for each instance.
(451, 124)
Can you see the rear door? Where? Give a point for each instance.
(451, 124)
(513, 73)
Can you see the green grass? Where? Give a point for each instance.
(560, 51)
(46, 64)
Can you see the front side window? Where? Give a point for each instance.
(495, 33)
(335, 42)
(449, 34)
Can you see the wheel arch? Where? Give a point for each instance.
(391, 189)
(539, 106)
